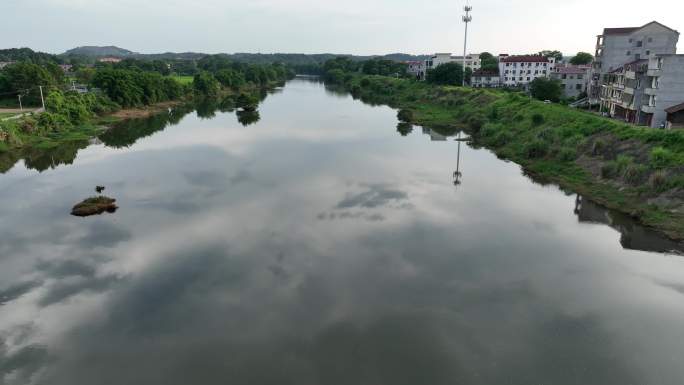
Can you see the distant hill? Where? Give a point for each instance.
(94, 52)
(28, 55)
(97, 52)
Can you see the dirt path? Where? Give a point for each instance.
(133, 113)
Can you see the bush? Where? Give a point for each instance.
(365, 82)
(567, 154)
(598, 147)
(537, 119)
(658, 180)
(661, 157)
(476, 122)
(405, 115)
(536, 149)
(634, 174)
(609, 170)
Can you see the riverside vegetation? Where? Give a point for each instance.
(74, 117)
(632, 169)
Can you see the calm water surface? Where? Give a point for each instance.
(318, 245)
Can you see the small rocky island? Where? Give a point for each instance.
(95, 205)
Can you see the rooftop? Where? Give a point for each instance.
(628, 30)
(674, 109)
(525, 59)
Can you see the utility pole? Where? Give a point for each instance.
(466, 19)
(41, 97)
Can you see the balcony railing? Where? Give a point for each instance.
(630, 75)
(648, 109)
(651, 91)
(654, 72)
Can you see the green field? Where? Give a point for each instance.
(183, 79)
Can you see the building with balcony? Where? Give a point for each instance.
(622, 92)
(574, 79)
(519, 71)
(486, 79)
(617, 46)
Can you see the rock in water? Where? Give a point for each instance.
(94, 206)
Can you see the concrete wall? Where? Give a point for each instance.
(670, 91)
(573, 84)
(621, 49)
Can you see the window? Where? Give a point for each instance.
(528, 78)
(648, 52)
(640, 43)
(650, 40)
(565, 76)
(637, 57)
(521, 78)
(629, 53)
(580, 77)
(578, 87)
(631, 40)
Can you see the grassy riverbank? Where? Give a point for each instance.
(636, 170)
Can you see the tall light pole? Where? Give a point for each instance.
(466, 19)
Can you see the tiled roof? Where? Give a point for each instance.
(673, 109)
(620, 31)
(623, 31)
(525, 59)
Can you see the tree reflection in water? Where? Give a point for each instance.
(247, 118)
(404, 128)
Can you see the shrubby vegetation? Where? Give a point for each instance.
(621, 166)
(546, 89)
(130, 88)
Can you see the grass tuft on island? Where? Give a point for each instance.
(636, 170)
(94, 206)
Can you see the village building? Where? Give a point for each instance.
(486, 79)
(520, 71)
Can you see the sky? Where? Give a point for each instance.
(324, 26)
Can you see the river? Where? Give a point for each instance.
(319, 243)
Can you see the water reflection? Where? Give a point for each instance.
(633, 235)
(321, 248)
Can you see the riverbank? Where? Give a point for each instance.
(638, 171)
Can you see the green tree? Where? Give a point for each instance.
(489, 62)
(558, 55)
(546, 89)
(581, 58)
(25, 78)
(446, 74)
(206, 84)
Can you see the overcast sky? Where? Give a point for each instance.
(317, 26)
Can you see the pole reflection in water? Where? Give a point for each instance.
(457, 174)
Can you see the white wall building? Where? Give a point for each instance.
(472, 61)
(519, 71)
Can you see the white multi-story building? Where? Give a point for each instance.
(472, 61)
(520, 71)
